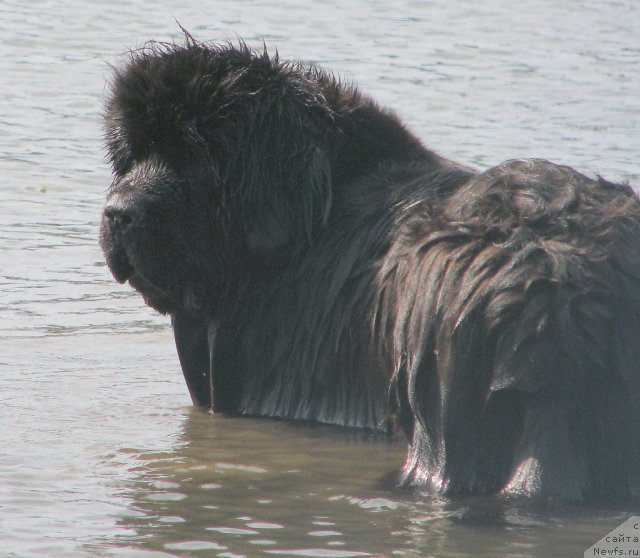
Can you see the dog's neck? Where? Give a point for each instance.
(369, 137)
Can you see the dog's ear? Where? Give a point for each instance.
(277, 218)
(277, 170)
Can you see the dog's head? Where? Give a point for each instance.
(221, 163)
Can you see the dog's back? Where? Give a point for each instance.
(516, 350)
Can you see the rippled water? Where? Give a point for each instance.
(101, 453)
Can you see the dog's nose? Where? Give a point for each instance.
(118, 217)
(121, 215)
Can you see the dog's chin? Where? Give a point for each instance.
(156, 298)
(164, 298)
(119, 265)
(168, 300)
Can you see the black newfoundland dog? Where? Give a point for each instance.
(320, 264)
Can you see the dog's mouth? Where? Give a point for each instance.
(123, 270)
(120, 266)
(165, 300)
(126, 266)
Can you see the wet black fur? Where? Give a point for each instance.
(319, 263)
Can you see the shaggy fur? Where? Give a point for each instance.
(320, 264)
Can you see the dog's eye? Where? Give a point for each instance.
(121, 161)
(119, 154)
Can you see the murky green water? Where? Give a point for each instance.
(101, 454)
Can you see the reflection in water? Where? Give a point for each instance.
(250, 487)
